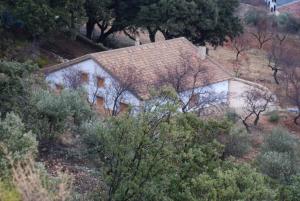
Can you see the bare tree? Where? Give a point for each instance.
(256, 102)
(116, 90)
(187, 78)
(275, 58)
(262, 26)
(284, 25)
(291, 80)
(240, 44)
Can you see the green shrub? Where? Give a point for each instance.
(8, 192)
(237, 142)
(279, 158)
(14, 141)
(281, 140)
(277, 165)
(42, 61)
(55, 113)
(293, 189)
(232, 116)
(274, 117)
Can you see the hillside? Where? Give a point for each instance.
(158, 120)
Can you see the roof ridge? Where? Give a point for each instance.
(153, 44)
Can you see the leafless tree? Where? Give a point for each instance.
(116, 89)
(240, 44)
(262, 26)
(186, 78)
(256, 102)
(291, 80)
(275, 58)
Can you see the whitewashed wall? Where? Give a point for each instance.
(93, 70)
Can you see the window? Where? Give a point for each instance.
(100, 104)
(124, 107)
(194, 99)
(58, 88)
(100, 82)
(84, 77)
(100, 101)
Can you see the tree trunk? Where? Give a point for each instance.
(237, 56)
(261, 44)
(104, 34)
(256, 120)
(152, 34)
(246, 126)
(90, 27)
(296, 119)
(275, 71)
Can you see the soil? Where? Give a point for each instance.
(67, 48)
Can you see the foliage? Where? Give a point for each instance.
(15, 141)
(232, 116)
(35, 184)
(8, 192)
(274, 117)
(198, 20)
(164, 155)
(237, 142)
(239, 182)
(42, 17)
(280, 155)
(293, 192)
(53, 114)
(37, 16)
(14, 80)
(110, 16)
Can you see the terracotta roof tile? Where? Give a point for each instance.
(148, 62)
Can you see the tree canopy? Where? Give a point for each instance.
(198, 20)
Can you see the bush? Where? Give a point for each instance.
(8, 192)
(15, 141)
(280, 155)
(293, 189)
(276, 165)
(232, 116)
(54, 113)
(42, 61)
(281, 140)
(237, 142)
(274, 117)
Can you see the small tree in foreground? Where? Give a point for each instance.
(162, 154)
(14, 140)
(256, 102)
(280, 155)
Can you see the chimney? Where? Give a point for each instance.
(202, 52)
(137, 41)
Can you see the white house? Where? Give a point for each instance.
(272, 5)
(118, 78)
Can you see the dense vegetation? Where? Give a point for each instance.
(157, 154)
(200, 21)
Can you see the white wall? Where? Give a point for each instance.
(219, 90)
(93, 70)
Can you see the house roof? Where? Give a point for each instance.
(148, 63)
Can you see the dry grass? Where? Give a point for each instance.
(33, 184)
